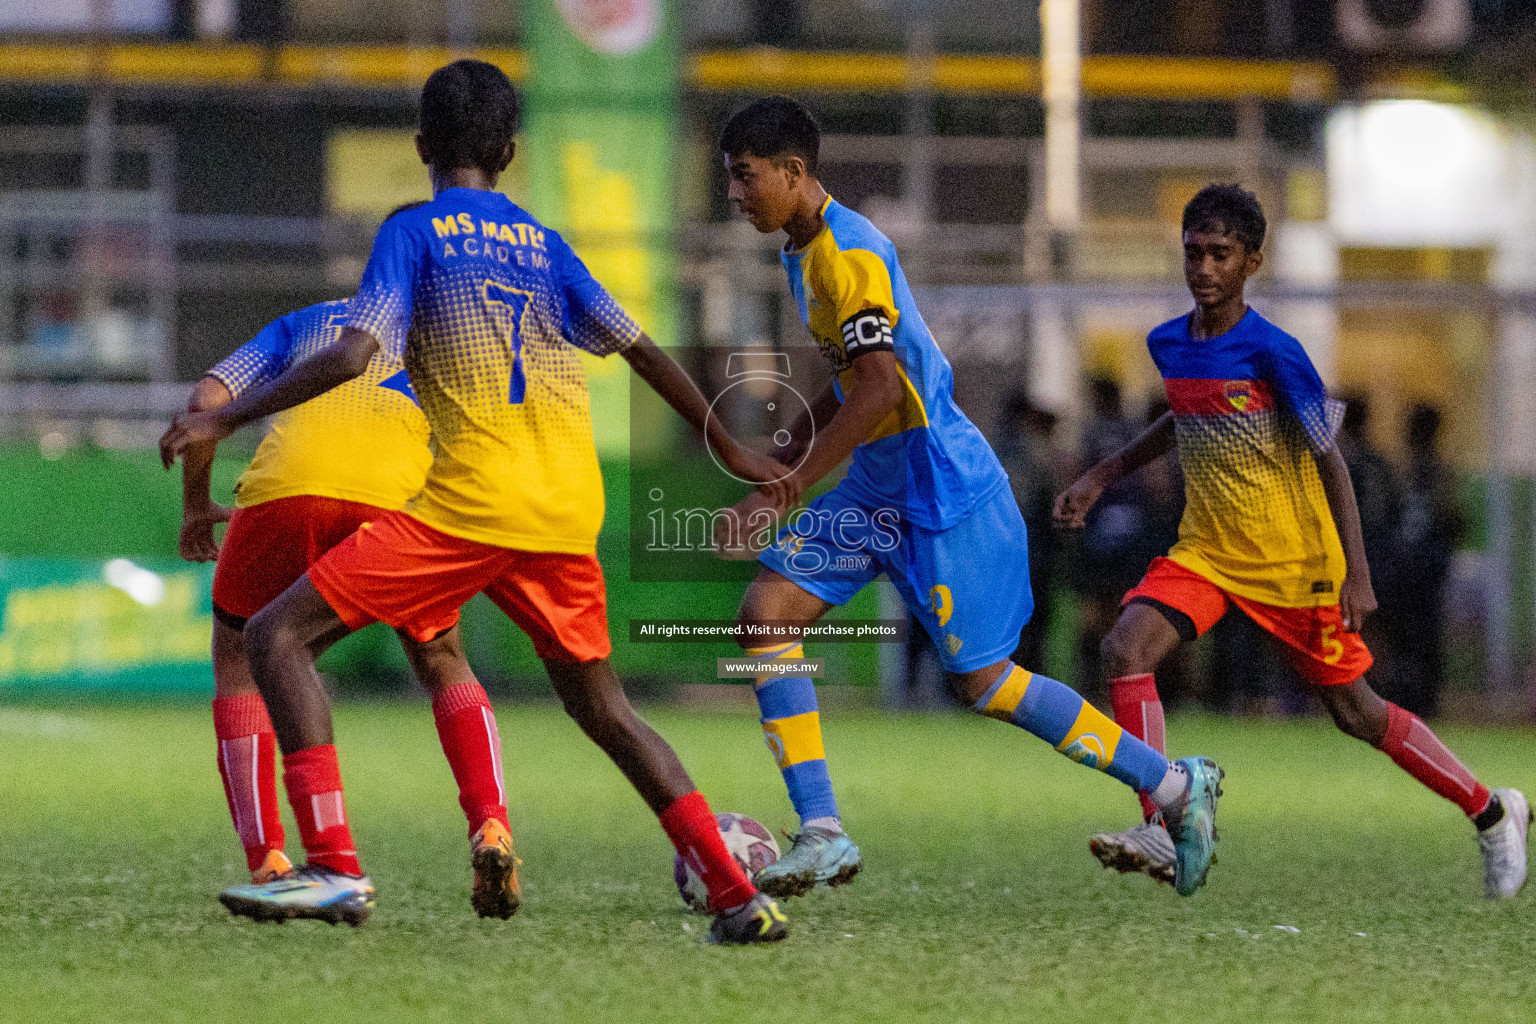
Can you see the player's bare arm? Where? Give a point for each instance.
(673, 384)
(333, 366)
(871, 396)
(803, 430)
(1357, 598)
(1072, 505)
(199, 512)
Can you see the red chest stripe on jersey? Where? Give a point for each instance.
(1196, 397)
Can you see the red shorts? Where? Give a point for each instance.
(399, 570)
(1314, 639)
(270, 545)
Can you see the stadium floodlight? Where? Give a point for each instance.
(1417, 173)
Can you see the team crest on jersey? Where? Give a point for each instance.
(1239, 393)
(1086, 750)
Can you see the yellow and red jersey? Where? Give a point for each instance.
(1252, 418)
(365, 441)
(488, 309)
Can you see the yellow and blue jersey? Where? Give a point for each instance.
(488, 309)
(1252, 417)
(364, 441)
(926, 459)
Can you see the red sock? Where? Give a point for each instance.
(1419, 752)
(248, 766)
(693, 830)
(313, 780)
(1139, 711)
(467, 726)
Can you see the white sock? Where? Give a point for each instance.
(1171, 790)
(829, 824)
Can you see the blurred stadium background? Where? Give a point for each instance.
(175, 173)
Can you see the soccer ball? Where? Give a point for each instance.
(750, 843)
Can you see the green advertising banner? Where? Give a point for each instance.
(116, 624)
(598, 151)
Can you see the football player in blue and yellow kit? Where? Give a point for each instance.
(924, 501)
(488, 308)
(1270, 527)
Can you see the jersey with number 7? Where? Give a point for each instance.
(489, 307)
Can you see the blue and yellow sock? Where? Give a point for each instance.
(792, 728)
(1056, 713)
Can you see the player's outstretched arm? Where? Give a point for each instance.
(871, 396)
(1072, 505)
(199, 512)
(673, 384)
(333, 365)
(1357, 597)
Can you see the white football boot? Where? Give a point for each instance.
(1147, 848)
(1503, 846)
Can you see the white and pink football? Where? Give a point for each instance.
(750, 843)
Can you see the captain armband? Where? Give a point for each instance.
(867, 331)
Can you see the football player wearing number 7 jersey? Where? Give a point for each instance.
(488, 308)
(324, 469)
(1270, 526)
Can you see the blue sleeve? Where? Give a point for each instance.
(593, 321)
(1301, 391)
(384, 300)
(259, 360)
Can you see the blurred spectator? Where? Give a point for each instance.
(1380, 500)
(1038, 469)
(1110, 555)
(1431, 527)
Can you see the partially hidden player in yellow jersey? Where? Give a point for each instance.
(324, 469)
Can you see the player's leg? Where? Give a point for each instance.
(1502, 817)
(807, 571)
(1138, 642)
(560, 601)
(975, 623)
(1184, 792)
(1333, 662)
(592, 696)
(282, 642)
(264, 551)
(247, 756)
(466, 727)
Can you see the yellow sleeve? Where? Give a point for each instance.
(858, 285)
(860, 282)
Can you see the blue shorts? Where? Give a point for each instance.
(968, 585)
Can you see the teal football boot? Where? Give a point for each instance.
(817, 856)
(310, 892)
(1192, 824)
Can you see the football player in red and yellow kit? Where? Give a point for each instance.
(325, 468)
(488, 308)
(1270, 527)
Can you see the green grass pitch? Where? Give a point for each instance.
(1344, 891)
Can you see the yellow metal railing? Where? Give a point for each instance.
(752, 70)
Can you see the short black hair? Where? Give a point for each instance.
(773, 127)
(469, 113)
(1231, 209)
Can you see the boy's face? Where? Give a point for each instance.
(763, 189)
(1217, 265)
